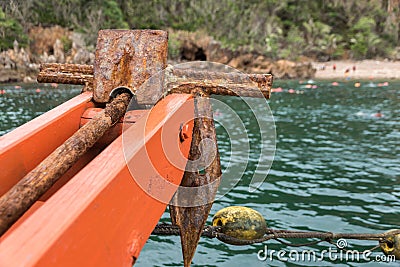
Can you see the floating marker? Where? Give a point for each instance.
(393, 246)
(240, 222)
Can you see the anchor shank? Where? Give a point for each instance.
(191, 220)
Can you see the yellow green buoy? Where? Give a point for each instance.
(393, 246)
(240, 222)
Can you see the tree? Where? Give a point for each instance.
(277, 28)
(10, 30)
(364, 40)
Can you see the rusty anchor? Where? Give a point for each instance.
(128, 55)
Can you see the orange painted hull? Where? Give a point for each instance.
(102, 211)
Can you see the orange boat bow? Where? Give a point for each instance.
(25, 147)
(103, 216)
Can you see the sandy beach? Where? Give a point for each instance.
(365, 69)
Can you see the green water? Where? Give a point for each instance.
(20, 105)
(336, 168)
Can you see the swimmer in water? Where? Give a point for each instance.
(378, 114)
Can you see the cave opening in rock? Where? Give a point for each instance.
(193, 53)
(200, 55)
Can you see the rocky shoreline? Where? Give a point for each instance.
(197, 46)
(46, 46)
(57, 44)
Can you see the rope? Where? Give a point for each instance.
(168, 229)
(215, 232)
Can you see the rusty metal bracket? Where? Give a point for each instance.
(127, 58)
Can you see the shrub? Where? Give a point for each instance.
(10, 30)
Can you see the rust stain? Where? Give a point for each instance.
(121, 73)
(127, 58)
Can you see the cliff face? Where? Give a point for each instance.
(56, 44)
(16, 64)
(47, 45)
(193, 46)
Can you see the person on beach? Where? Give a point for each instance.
(334, 67)
(346, 74)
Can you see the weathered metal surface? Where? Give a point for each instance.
(66, 73)
(21, 196)
(191, 220)
(219, 83)
(181, 81)
(127, 58)
(67, 68)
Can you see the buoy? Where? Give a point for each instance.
(393, 246)
(311, 81)
(37, 90)
(335, 83)
(54, 85)
(240, 222)
(17, 87)
(291, 91)
(277, 90)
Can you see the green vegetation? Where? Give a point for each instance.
(10, 30)
(320, 29)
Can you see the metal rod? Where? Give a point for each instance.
(68, 68)
(219, 83)
(176, 80)
(65, 78)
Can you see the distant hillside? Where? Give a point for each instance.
(289, 29)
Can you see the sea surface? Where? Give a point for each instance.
(336, 167)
